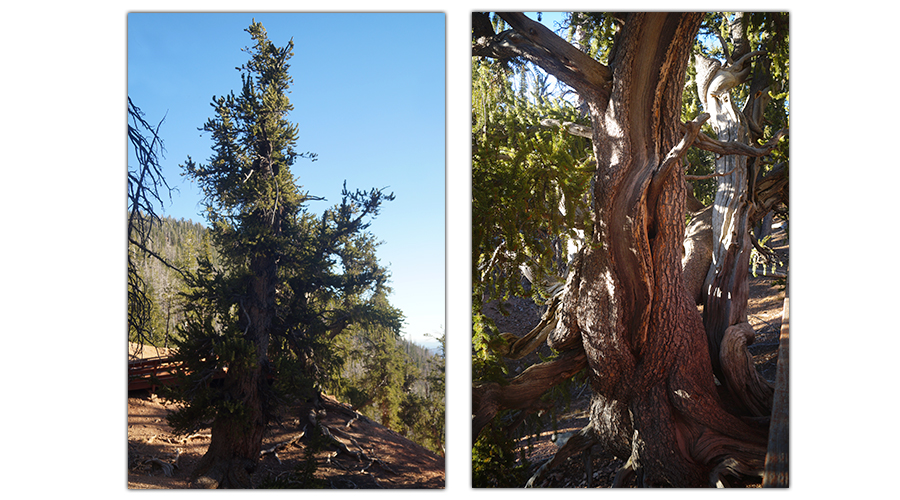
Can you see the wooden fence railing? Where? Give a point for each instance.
(777, 465)
(141, 373)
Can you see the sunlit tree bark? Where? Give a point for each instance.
(625, 306)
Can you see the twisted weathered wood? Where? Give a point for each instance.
(777, 463)
(644, 342)
(523, 391)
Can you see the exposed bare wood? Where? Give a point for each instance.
(580, 442)
(196, 435)
(166, 467)
(708, 176)
(744, 380)
(535, 42)
(707, 143)
(570, 128)
(283, 444)
(519, 347)
(777, 458)
(326, 431)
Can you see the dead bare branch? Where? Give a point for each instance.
(519, 347)
(569, 127)
(523, 391)
(707, 143)
(283, 444)
(196, 435)
(708, 176)
(536, 43)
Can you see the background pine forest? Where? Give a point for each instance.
(387, 378)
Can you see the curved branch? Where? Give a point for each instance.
(691, 131)
(537, 44)
(519, 347)
(523, 391)
(707, 143)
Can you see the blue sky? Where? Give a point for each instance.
(369, 99)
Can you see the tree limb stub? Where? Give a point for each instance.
(519, 347)
(571, 128)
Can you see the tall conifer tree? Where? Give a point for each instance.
(265, 318)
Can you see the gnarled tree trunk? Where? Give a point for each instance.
(234, 449)
(642, 333)
(738, 205)
(625, 302)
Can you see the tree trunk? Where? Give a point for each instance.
(236, 442)
(725, 309)
(238, 428)
(644, 339)
(625, 306)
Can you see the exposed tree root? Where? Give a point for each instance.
(747, 386)
(283, 444)
(359, 456)
(580, 442)
(167, 467)
(195, 435)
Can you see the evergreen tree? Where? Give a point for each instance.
(435, 398)
(288, 283)
(382, 378)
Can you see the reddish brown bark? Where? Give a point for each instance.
(649, 364)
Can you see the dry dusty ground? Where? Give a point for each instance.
(157, 459)
(765, 313)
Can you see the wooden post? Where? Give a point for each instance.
(776, 469)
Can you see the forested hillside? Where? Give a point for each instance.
(387, 378)
(177, 242)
